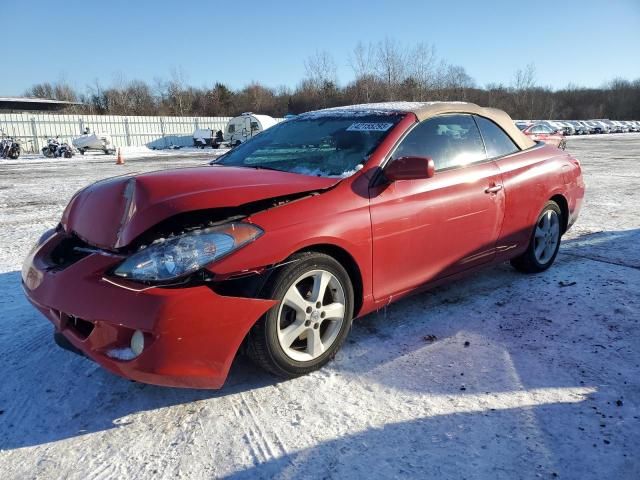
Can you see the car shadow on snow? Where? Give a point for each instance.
(489, 444)
(418, 344)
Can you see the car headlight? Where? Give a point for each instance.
(170, 258)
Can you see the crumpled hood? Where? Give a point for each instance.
(113, 212)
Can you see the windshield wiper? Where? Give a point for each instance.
(259, 167)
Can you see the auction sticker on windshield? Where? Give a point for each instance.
(369, 127)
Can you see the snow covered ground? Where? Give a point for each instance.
(499, 376)
(128, 153)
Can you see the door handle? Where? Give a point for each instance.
(493, 189)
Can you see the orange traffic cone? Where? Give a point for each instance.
(119, 160)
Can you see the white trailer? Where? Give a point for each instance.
(241, 128)
(94, 141)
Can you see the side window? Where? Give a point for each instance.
(232, 128)
(537, 129)
(497, 143)
(450, 140)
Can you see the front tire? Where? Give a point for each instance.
(307, 327)
(544, 243)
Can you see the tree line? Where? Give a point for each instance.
(382, 71)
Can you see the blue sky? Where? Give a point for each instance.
(584, 42)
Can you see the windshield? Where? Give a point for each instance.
(325, 146)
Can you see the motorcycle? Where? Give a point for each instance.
(9, 148)
(55, 149)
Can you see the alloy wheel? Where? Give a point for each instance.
(547, 236)
(311, 315)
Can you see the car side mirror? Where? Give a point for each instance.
(410, 168)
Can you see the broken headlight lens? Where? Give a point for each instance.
(170, 258)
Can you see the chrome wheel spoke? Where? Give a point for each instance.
(539, 232)
(548, 251)
(333, 311)
(320, 283)
(315, 347)
(294, 299)
(545, 221)
(291, 333)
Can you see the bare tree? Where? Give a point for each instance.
(54, 91)
(525, 78)
(390, 64)
(362, 61)
(422, 64)
(524, 83)
(321, 69)
(382, 71)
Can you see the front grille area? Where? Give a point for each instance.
(80, 327)
(67, 252)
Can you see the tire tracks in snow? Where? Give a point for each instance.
(261, 446)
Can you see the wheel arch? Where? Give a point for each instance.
(564, 208)
(350, 265)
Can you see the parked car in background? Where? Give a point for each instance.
(566, 127)
(622, 126)
(559, 126)
(543, 132)
(599, 126)
(589, 129)
(613, 127)
(162, 277)
(579, 128)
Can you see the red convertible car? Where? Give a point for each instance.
(544, 133)
(274, 248)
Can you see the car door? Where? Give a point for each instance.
(426, 229)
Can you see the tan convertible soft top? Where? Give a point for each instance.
(424, 110)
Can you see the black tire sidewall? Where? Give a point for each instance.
(277, 288)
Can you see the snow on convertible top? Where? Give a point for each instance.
(366, 109)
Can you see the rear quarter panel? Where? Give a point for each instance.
(530, 179)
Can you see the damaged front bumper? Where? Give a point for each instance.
(191, 334)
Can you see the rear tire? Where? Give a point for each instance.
(307, 327)
(544, 242)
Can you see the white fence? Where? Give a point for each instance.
(33, 130)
